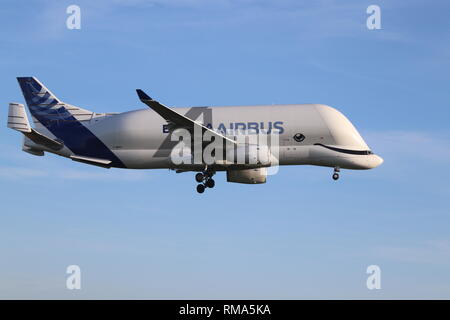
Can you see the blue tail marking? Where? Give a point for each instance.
(52, 114)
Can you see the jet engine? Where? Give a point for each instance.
(248, 176)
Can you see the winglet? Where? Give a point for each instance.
(142, 95)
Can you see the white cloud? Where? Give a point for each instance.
(19, 173)
(175, 3)
(411, 145)
(433, 251)
(112, 174)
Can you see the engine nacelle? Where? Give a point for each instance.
(248, 176)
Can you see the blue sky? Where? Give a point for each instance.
(148, 234)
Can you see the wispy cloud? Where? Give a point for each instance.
(433, 251)
(412, 145)
(17, 165)
(169, 3)
(114, 174)
(18, 173)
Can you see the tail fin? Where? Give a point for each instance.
(46, 108)
(35, 93)
(62, 126)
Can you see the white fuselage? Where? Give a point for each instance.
(311, 134)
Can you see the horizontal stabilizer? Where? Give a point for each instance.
(17, 118)
(93, 161)
(33, 151)
(43, 140)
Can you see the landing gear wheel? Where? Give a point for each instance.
(335, 176)
(210, 183)
(199, 177)
(200, 188)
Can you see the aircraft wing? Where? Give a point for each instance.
(93, 161)
(173, 117)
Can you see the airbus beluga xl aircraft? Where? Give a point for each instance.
(160, 137)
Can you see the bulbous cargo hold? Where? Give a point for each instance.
(303, 134)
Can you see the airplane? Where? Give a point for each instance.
(305, 134)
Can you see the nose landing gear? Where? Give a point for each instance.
(205, 180)
(336, 173)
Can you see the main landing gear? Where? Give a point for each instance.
(336, 173)
(205, 180)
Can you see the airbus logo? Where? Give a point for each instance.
(248, 127)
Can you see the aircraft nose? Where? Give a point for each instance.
(376, 161)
